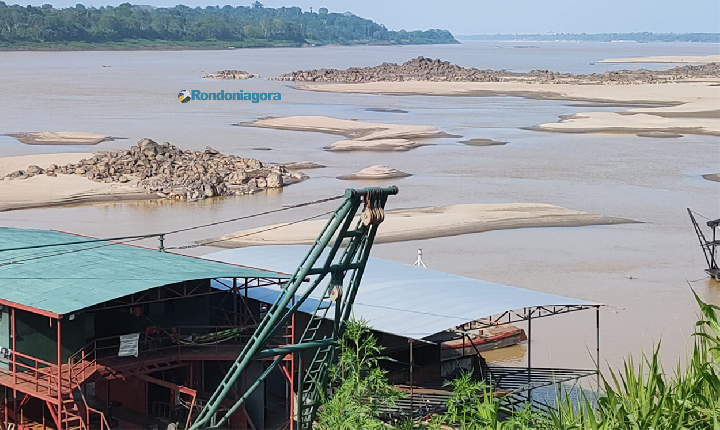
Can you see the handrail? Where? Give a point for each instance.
(93, 349)
(88, 409)
(44, 378)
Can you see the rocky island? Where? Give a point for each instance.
(435, 70)
(148, 168)
(230, 74)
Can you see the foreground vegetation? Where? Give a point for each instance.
(637, 396)
(135, 26)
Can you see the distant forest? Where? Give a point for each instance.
(603, 37)
(146, 26)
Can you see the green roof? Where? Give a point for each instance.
(67, 278)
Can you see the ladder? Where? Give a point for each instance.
(324, 258)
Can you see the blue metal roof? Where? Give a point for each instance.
(65, 279)
(406, 300)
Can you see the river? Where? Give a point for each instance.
(645, 179)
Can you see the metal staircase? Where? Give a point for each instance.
(324, 258)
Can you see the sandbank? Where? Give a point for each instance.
(694, 59)
(482, 142)
(46, 191)
(426, 223)
(60, 138)
(373, 145)
(303, 165)
(688, 107)
(368, 136)
(376, 173)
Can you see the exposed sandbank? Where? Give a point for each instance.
(61, 138)
(303, 165)
(427, 223)
(376, 173)
(367, 136)
(688, 107)
(694, 59)
(386, 110)
(373, 145)
(482, 142)
(45, 191)
(712, 177)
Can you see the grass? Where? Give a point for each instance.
(640, 395)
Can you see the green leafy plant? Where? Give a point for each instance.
(362, 388)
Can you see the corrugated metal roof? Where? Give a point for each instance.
(72, 277)
(401, 299)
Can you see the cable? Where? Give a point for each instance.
(150, 235)
(38, 257)
(137, 238)
(79, 242)
(284, 208)
(700, 215)
(208, 243)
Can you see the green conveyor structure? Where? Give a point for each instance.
(341, 251)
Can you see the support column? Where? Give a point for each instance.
(292, 370)
(14, 365)
(59, 364)
(412, 388)
(597, 347)
(529, 360)
(235, 300)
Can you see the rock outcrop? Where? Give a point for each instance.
(427, 69)
(170, 172)
(230, 74)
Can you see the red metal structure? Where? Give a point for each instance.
(63, 354)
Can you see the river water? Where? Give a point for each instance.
(644, 179)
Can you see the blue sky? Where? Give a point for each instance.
(501, 16)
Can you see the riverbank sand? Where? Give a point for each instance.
(361, 136)
(45, 191)
(686, 107)
(61, 138)
(426, 223)
(689, 59)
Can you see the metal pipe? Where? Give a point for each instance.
(288, 349)
(250, 390)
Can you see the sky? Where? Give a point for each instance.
(465, 17)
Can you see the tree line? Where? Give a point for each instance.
(642, 37)
(253, 25)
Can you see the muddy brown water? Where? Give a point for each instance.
(646, 179)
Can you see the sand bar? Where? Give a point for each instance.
(303, 165)
(686, 107)
(60, 138)
(690, 59)
(428, 222)
(482, 142)
(368, 136)
(45, 191)
(376, 173)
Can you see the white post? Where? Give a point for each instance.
(419, 261)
